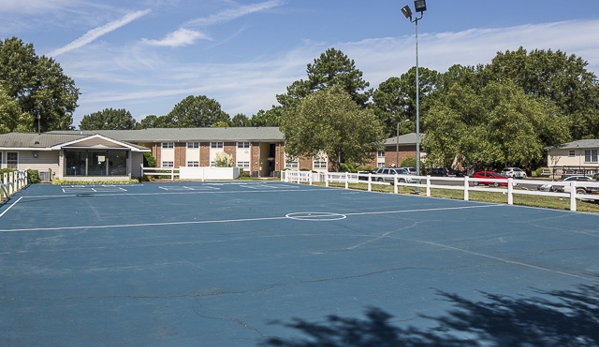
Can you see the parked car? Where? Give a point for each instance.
(389, 171)
(513, 172)
(411, 170)
(363, 174)
(439, 172)
(559, 186)
(484, 177)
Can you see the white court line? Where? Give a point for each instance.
(424, 210)
(9, 207)
(119, 226)
(187, 192)
(184, 188)
(267, 186)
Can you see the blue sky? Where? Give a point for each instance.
(147, 55)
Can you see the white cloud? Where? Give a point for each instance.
(150, 83)
(32, 6)
(95, 33)
(234, 13)
(181, 37)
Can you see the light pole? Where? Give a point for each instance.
(419, 6)
(397, 144)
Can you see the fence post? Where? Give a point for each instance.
(395, 184)
(573, 196)
(346, 180)
(466, 186)
(326, 179)
(510, 191)
(370, 181)
(310, 178)
(428, 185)
(11, 187)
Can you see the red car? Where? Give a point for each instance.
(479, 178)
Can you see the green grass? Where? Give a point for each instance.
(551, 202)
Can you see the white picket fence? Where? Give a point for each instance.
(12, 182)
(425, 184)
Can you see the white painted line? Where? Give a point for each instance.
(118, 226)
(9, 207)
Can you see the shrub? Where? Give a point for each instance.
(149, 160)
(7, 170)
(223, 159)
(33, 176)
(343, 167)
(243, 174)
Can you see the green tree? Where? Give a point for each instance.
(153, 121)
(332, 122)
(108, 119)
(240, 120)
(332, 68)
(394, 100)
(38, 85)
(556, 76)
(11, 116)
(196, 111)
(270, 118)
(498, 126)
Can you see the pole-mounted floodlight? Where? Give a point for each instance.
(419, 6)
(406, 11)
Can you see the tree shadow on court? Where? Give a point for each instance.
(555, 318)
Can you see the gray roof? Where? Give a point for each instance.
(34, 140)
(406, 139)
(591, 143)
(47, 140)
(188, 134)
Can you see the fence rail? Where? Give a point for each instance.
(159, 171)
(466, 184)
(12, 182)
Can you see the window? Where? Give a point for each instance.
(81, 162)
(571, 153)
(320, 164)
(168, 164)
(0, 160)
(590, 156)
(243, 145)
(212, 163)
(292, 164)
(193, 145)
(380, 154)
(243, 164)
(217, 144)
(380, 165)
(168, 145)
(193, 164)
(12, 160)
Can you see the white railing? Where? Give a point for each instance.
(160, 171)
(466, 184)
(12, 182)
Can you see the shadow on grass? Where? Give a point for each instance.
(556, 318)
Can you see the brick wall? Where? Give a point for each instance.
(204, 153)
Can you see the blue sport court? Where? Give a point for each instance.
(277, 264)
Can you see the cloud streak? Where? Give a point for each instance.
(234, 13)
(251, 85)
(98, 32)
(181, 37)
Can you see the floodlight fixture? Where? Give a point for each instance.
(420, 5)
(407, 12)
